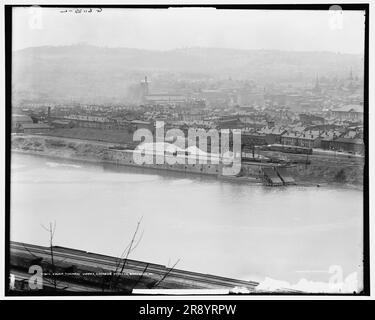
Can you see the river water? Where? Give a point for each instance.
(231, 229)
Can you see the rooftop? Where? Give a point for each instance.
(21, 118)
(349, 108)
(35, 126)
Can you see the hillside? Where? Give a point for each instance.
(88, 73)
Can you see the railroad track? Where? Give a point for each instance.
(67, 256)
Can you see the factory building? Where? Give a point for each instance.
(18, 120)
(160, 98)
(165, 99)
(349, 112)
(31, 128)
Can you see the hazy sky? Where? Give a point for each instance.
(165, 29)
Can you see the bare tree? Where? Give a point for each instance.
(141, 276)
(125, 255)
(166, 275)
(51, 229)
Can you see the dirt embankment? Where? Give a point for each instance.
(323, 174)
(319, 171)
(59, 148)
(324, 168)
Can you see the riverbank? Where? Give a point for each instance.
(187, 216)
(323, 168)
(318, 173)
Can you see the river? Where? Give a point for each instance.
(231, 229)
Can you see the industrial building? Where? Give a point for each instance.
(18, 120)
(30, 128)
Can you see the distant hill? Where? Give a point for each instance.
(91, 74)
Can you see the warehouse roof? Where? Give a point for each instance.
(35, 126)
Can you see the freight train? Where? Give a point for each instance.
(288, 149)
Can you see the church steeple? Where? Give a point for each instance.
(317, 85)
(351, 74)
(317, 88)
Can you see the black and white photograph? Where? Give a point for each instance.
(171, 150)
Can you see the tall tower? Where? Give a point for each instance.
(144, 85)
(317, 85)
(317, 81)
(351, 74)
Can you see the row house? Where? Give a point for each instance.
(307, 139)
(249, 139)
(290, 138)
(273, 135)
(349, 145)
(328, 137)
(310, 139)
